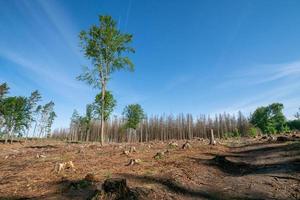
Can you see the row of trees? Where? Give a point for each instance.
(135, 126)
(23, 116)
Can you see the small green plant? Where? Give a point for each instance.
(253, 132)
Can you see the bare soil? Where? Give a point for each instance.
(245, 168)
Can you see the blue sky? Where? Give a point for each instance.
(199, 57)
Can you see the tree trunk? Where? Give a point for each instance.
(10, 135)
(102, 114)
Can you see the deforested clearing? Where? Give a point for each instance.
(255, 167)
(149, 100)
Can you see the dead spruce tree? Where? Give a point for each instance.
(212, 138)
(104, 45)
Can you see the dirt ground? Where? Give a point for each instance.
(245, 168)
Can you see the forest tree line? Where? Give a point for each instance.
(264, 120)
(23, 117)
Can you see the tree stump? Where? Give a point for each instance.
(186, 145)
(116, 189)
(90, 177)
(159, 155)
(132, 149)
(173, 145)
(134, 162)
(126, 153)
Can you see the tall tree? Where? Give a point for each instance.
(46, 114)
(37, 116)
(31, 108)
(50, 121)
(74, 126)
(107, 48)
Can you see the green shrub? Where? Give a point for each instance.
(252, 132)
(294, 124)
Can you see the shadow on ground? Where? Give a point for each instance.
(291, 163)
(178, 188)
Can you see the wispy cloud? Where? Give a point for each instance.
(39, 70)
(128, 13)
(177, 81)
(65, 27)
(263, 74)
(281, 81)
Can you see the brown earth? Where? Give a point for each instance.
(245, 168)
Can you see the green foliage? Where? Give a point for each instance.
(15, 114)
(85, 121)
(232, 134)
(75, 118)
(108, 105)
(3, 90)
(252, 132)
(134, 114)
(269, 119)
(104, 45)
(294, 124)
(32, 106)
(107, 48)
(47, 117)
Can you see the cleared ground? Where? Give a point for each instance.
(233, 169)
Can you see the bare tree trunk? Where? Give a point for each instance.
(7, 136)
(102, 114)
